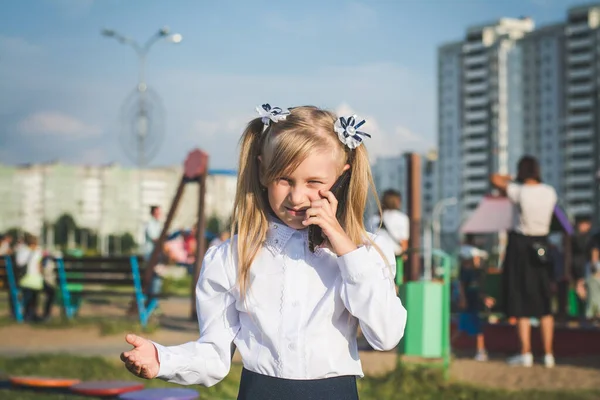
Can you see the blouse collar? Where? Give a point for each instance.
(279, 234)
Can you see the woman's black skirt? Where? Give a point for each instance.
(525, 282)
(255, 386)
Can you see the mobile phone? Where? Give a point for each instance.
(340, 191)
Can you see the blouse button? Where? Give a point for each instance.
(292, 346)
(295, 303)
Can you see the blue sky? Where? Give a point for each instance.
(62, 84)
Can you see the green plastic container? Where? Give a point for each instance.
(424, 332)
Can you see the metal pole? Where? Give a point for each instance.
(436, 216)
(142, 118)
(428, 254)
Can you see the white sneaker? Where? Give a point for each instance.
(521, 360)
(549, 361)
(481, 356)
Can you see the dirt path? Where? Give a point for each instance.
(176, 328)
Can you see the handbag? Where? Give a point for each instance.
(538, 248)
(540, 253)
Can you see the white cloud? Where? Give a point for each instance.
(386, 142)
(222, 126)
(56, 123)
(394, 99)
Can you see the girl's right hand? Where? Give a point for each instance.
(142, 360)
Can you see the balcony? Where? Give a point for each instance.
(476, 101)
(580, 73)
(476, 87)
(474, 157)
(580, 179)
(580, 58)
(579, 150)
(475, 129)
(574, 29)
(475, 115)
(469, 144)
(475, 173)
(579, 164)
(473, 46)
(580, 119)
(473, 60)
(580, 134)
(477, 73)
(581, 88)
(580, 209)
(580, 103)
(476, 185)
(573, 195)
(579, 43)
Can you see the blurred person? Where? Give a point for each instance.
(393, 222)
(561, 278)
(32, 281)
(49, 287)
(588, 286)
(472, 298)
(152, 233)
(583, 252)
(6, 245)
(527, 272)
(222, 238)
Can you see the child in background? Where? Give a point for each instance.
(472, 299)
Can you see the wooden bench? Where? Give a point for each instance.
(8, 282)
(96, 277)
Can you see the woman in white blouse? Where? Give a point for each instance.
(291, 313)
(394, 223)
(527, 271)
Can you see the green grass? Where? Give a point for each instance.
(181, 287)
(406, 382)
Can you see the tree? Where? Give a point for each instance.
(127, 243)
(64, 225)
(213, 225)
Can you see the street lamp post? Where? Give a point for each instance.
(142, 120)
(434, 225)
(142, 52)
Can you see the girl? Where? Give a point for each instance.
(527, 278)
(291, 313)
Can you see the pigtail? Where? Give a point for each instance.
(249, 219)
(361, 183)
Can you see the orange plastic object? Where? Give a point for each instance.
(44, 382)
(106, 388)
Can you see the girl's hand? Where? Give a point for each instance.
(142, 360)
(489, 302)
(322, 213)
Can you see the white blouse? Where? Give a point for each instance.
(299, 318)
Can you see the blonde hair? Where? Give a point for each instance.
(283, 146)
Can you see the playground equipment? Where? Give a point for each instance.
(108, 273)
(195, 171)
(12, 287)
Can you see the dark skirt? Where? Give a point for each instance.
(525, 282)
(255, 386)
